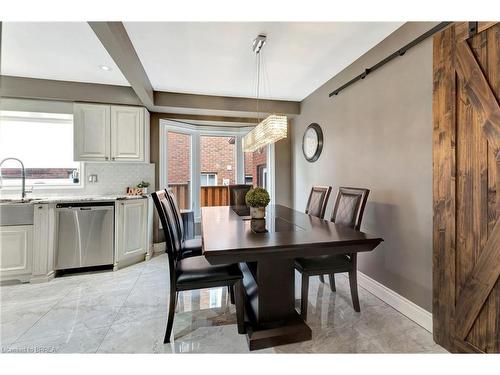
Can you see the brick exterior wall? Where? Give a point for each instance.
(253, 160)
(216, 154)
(38, 173)
(178, 159)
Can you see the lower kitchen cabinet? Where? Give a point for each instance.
(16, 254)
(131, 231)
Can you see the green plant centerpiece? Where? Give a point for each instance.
(257, 199)
(144, 186)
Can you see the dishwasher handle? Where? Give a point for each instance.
(85, 206)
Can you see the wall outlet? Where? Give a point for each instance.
(92, 178)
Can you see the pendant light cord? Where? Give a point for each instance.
(258, 86)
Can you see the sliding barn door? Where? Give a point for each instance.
(466, 185)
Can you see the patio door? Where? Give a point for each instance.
(466, 309)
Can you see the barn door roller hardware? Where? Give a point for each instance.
(399, 52)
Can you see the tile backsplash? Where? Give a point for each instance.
(112, 179)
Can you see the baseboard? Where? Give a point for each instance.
(414, 312)
(159, 247)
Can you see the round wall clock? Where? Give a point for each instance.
(312, 142)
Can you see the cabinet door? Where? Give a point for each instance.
(127, 133)
(92, 132)
(131, 229)
(16, 251)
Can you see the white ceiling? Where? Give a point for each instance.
(68, 51)
(217, 58)
(201, 58)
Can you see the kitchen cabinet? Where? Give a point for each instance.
(92, 132)
(16, 254)
(131, 231)
(111, 133)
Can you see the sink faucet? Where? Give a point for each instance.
(23, 176)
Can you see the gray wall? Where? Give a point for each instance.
(378, 135)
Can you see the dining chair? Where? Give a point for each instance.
(237, 194)
(193, 272)
(189, 247)
(348, 210)
(318, 200)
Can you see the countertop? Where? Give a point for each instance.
(63, 199)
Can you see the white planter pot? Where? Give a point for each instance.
(258, 212)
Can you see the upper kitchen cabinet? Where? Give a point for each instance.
(91, 132)
(111, 133)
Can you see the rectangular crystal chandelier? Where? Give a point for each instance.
(270, 130)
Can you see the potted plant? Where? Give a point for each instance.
(257, 199)
(144, 186)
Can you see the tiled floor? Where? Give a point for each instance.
(125, 312)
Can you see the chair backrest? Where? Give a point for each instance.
(237, 194)
(177, 213)
(160, 199)
(318, 200)
(349, 206)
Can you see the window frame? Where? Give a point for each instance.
(34, 184)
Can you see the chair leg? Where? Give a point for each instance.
(240, 306)
(304, 295)
(170, 319)
(353, 282)
(230, 290)
(332, 282)
(322, 278)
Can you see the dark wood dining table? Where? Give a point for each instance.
(267, 262)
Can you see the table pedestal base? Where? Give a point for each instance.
(291, 331)
(271, 318)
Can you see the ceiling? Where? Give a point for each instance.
(67, 51)
(217, 58)
(196, 57)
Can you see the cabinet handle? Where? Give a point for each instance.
(106, 158)
(113, 158)
(40, 207)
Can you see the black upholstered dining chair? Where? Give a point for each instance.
(348, 210)
(189, 247)
(237, 194)
(318, 200)
(194, 272)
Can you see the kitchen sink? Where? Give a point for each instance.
(12, 213)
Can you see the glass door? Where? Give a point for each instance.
(179, 169)
(217, 169)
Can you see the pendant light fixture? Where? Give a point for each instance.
(273, 127)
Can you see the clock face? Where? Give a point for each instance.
(312, 143)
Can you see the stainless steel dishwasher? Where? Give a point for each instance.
(85, 234)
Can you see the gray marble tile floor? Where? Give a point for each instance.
(125, 312)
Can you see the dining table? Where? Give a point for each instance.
(265, 250)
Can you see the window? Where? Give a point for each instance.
(218, 158)
(208, 179)
(256, 168)
(44, 143)
(179, 167)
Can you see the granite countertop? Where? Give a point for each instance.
(62, 199)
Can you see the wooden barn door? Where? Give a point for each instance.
(466, 187)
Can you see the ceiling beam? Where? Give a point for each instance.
(115, 39)
(224, 103)
(67, 91)
(192, 104)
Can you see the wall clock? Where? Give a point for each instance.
(312, 142)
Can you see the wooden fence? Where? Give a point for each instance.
(181, 192)
(214, 196)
